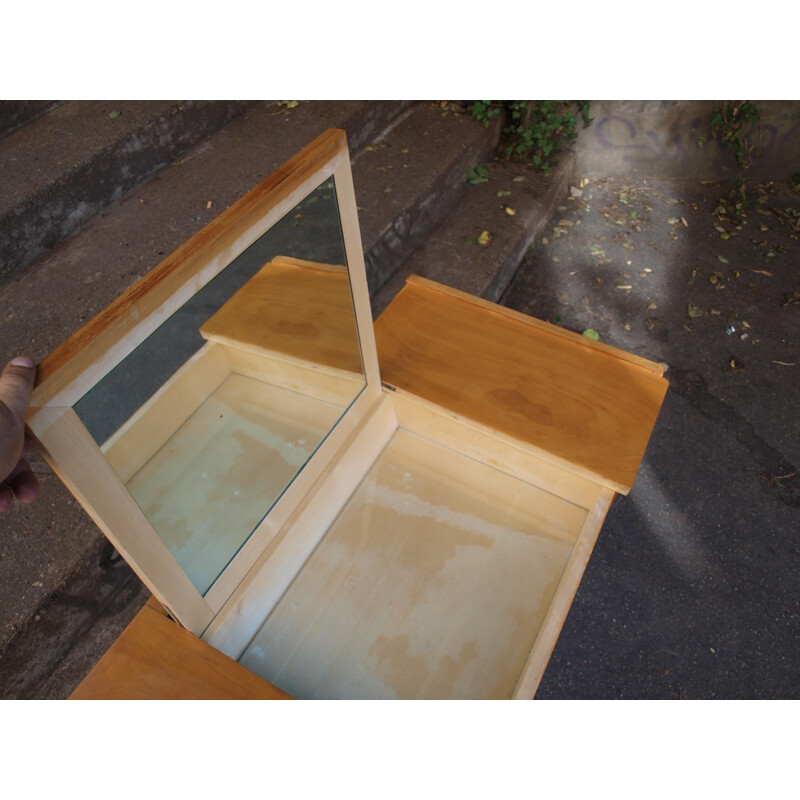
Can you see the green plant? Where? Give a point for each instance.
(486, 110)
(536, 130)
(730, 123)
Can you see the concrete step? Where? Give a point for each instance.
(61, 169)
(408, 181)
(513, 206)
(14, 114)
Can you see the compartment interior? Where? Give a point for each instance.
(432, 582)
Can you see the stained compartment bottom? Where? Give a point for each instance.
(433, 582)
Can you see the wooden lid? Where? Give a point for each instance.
(583, 402)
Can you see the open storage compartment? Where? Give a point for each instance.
(340, 530)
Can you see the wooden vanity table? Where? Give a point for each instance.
(327, 509)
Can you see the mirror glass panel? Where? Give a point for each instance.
(211, 417)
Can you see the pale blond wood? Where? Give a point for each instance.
(432, 582)
(325, 383)
(298, 533)
(154, 659)
(65, 375)
(145, 433)
(528, 380)
(295, 309)
(77, 460)
(542, 649)
(354, 249)
(507, 454)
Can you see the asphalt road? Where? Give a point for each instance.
(692, 589)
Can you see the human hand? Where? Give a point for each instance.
(16, 477)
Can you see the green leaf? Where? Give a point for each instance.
(114, 114)
(591, 333)
(477, 174)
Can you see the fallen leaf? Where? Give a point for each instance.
(114, 114)
(510, 211)
(485, 238)
(477, 174)
(723, 259)
(694, 311)
(735, 365)
(289, 103)
(685, 223)
(519, 179)
(503, 193)
(762, 272)
(625, 286)
(673, 221)
(591, 333)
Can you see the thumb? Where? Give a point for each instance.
(16, 385)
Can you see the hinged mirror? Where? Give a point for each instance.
(184, 416)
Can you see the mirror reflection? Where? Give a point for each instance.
(215, 413)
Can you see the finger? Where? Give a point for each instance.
(24, 483)
(16, 385)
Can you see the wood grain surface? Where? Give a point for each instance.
(156, 659)
(593, 407)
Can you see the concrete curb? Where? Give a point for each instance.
(60, 170)
(410, 180)
(14, 114)
(452, 254)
